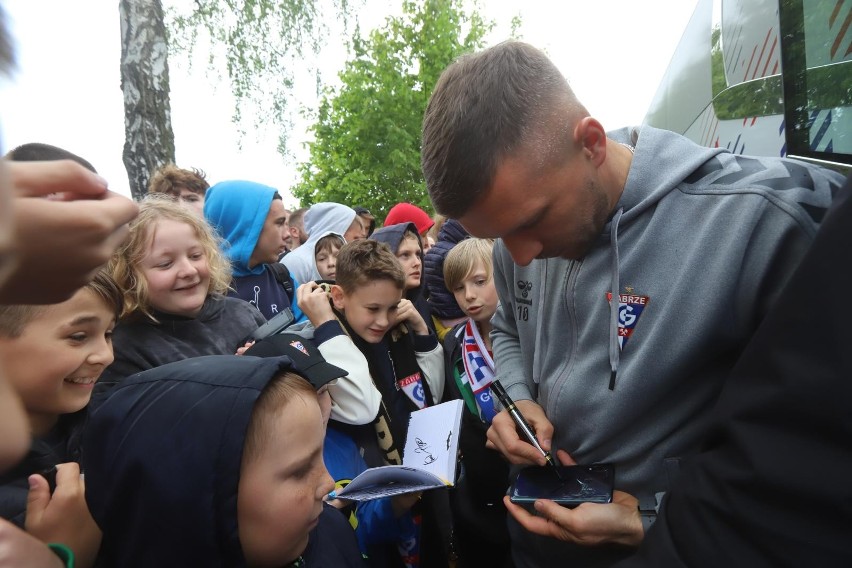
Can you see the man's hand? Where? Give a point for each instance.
(67, 225)
(406, 312)
(63, 517)
(21, 550)
(503, 434)
(590, 524)
(314, 303)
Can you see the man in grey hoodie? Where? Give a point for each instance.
(633, 268)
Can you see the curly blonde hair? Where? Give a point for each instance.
(125, 265)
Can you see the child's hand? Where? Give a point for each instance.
(314, 303)
(21, 550)
(406, 312)
(244, 348)
(401, 504)
(63, 517)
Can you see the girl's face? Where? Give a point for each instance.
(410, 256)
(176, 269)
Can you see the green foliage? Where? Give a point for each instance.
(367, 135)
(259, 43)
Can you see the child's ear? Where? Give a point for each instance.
(338, 298)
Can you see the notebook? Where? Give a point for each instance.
(428, 460)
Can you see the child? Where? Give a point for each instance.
(251, 219)
(215, 461)
(376, 522)
(186, 186)
(53, 355)
(479, 528)
(405, 242)
(174, 279)
(319, 220)
(405, 363)
(325, 253)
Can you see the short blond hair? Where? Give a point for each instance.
(462, 258)
(125, 263)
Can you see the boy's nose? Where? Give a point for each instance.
(325, 484)
(102, 354)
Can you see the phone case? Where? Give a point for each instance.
(567, 485)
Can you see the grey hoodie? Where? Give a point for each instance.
(320, 220)
(705, 242)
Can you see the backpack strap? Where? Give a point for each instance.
(283, 276)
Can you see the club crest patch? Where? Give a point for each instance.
(298, 345)
(630, 307)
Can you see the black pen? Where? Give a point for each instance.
(519, 419)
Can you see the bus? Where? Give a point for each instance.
(763, 77)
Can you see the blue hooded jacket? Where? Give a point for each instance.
(237, 210)
(162, 461)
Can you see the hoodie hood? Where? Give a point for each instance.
(162, 461)
(392, 236)
(443, 302)
(320, 220)
(238, 210)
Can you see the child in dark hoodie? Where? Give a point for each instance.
(406, 244)
(217, 462)
(53, 356)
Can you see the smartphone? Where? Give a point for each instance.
(574, 484)
(276, 325)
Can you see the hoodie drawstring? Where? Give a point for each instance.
(614, 301)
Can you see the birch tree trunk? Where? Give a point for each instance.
(148, 138)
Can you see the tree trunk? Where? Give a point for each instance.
(149, 140)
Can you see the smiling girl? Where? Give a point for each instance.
(174, 279)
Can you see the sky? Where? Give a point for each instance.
(66, 90)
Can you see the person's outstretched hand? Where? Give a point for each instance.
(63, 517)
(67, 224)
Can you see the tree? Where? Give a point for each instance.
(257, 43)
(149, 141)
(367, 135)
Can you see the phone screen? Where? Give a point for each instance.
(574, 484)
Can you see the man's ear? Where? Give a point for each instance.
(591, 135)
(338, 298)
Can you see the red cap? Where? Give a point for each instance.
(408, 213)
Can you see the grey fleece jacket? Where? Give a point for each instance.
(705, 242)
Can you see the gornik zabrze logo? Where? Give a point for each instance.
(630, 307)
